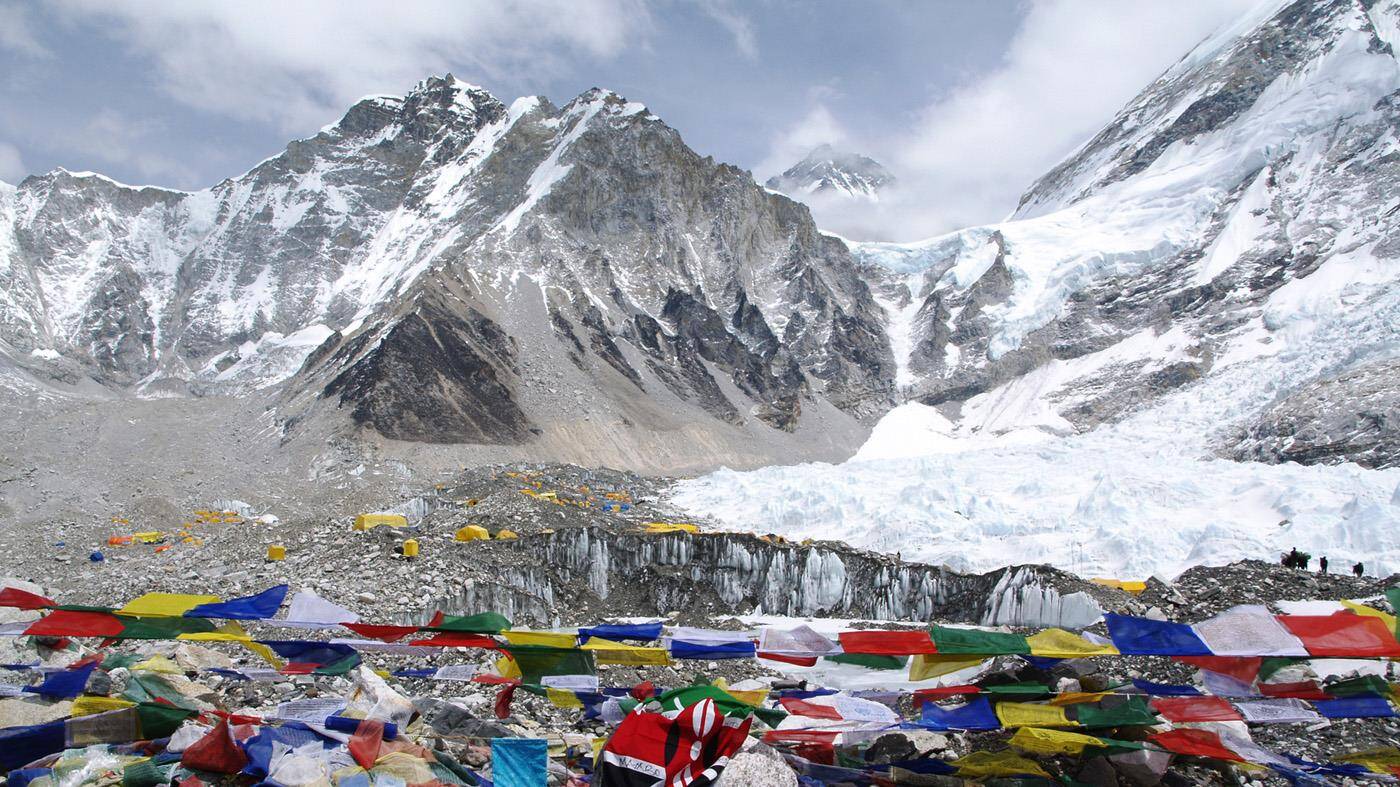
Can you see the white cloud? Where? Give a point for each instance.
(17, 34)
(113, 138)
(300, 64)
(12, 168)
(1070, 67)
(818, 127)
(738, 25)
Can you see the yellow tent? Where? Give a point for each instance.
(370, 521)
(473, 533)
(1134, 586)
(671, 527)
(506, 535)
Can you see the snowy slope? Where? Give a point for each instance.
(1215, 276)
(1239, 204)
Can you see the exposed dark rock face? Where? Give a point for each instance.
(441, 239)
(435, 374)
(1351, 418)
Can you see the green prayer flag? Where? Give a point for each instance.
(1022, 689)
(160, 721)
(869, 660)
(1271, 664)
(162, 628)
(339, 667)
(1133, 712)
(113, 661)
(728, 704)
(480, 623)
(971, 642)
(150, 688)
(1364, 684)
(539, 661)
(145, 773)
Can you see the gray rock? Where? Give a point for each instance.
(1142, 767)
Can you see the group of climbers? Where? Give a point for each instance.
(1299, 560)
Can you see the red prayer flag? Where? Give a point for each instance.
(942, 692)
(1242, 668)
(458, 639)
(800, 708)
(23, 599)
(643, 691)
(380, 632)
(69, 623)
(365, 743)
(1343, 634)
(1189, 709)
(800, 736)
(215, 752)
(504, 697)
(887, 643)
(1302, 690)
(1195, 743)
(801, 661)
(687, 750)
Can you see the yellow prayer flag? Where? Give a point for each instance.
(552, 639)
(1061, 644)
(563, 698)
(1078, 697)
(1041, 741)
(928, 665)
(1371, 612)
(606, 651)
(1377, 760)
(1032, 714)
(997, 763)
(507, 667)
(164, 605)
(87, 706)
(158, 663)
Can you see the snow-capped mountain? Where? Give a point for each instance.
(1235, 226)
(443, 267)
(1182, 349)
(827, 170)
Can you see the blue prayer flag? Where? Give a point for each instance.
(975, 715)
(256, 607)
(519, 762)
(640, 632)
(1147, 637)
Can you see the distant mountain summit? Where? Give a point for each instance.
(827, 169)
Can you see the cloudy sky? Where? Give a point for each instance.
(967, 102)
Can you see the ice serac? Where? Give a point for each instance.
(1237, 219)
(827, 170)
(442, 267)
(742, 574)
